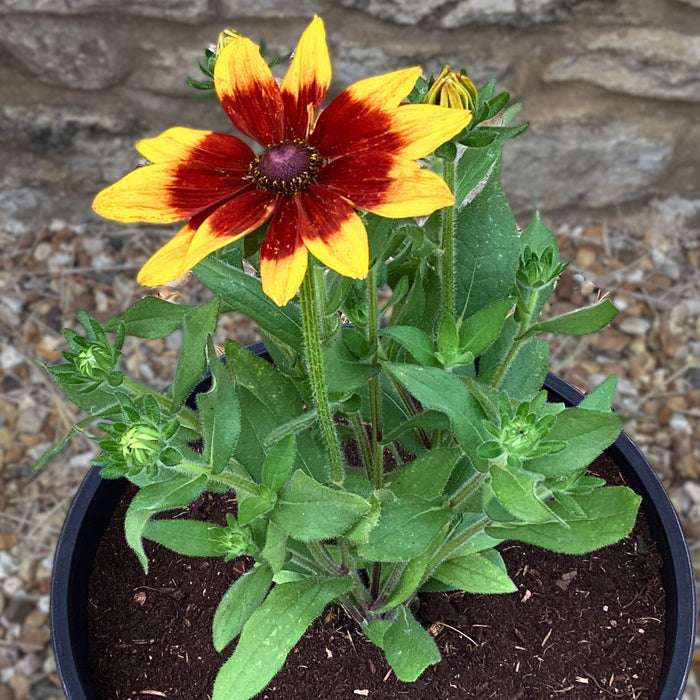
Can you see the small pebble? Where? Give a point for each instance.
(634, 325)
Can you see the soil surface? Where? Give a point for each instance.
(579, 627)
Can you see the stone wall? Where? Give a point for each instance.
(611, 89)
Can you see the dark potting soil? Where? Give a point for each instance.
(579, 627)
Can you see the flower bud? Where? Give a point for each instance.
(140, 446)
(94, 362)
(226, 37)
(453, 90)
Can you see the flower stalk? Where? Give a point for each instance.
(447, 261)
(317, 379)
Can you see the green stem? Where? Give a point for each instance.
(359, 591)
(468, 488)
(187, 416)
(412, 411)
(375, 405)
(314, 366)
(390, 584)
(229, 479)
(449, 548)
(514, 348)
(321, 555)
(362, 442)
(448, 245)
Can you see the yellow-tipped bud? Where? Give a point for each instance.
(226, 37)
(453, 90)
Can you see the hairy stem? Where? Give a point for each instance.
(227, 478)
(468, 489)
(447, 272)
(314, 366)
(377, 476)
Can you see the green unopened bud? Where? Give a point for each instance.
(140, 445)
(94, 362)
(453, 90)
(235, 539)
(225, 38)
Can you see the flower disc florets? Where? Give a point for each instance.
(287, 167)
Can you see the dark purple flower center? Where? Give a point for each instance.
(287, 167)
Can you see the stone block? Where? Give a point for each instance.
(268, 8)
(648, 62)
(75, 53)
(584, 162)
(467, 12)
(173, 10)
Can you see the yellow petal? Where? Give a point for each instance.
(307, 81)
(283, 256)
(384, 91)
(334, 233)
(165, 192)
(168, 263)
(248, 92)
(425, 127)
(207, 147)
(414, 192)
(229, 222)
(385, 184)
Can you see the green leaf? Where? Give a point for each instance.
(359, 532)
(251, 507)
(448, 340)
(416, 341)
(538, 238)
(343, 371)
(473, 171)
(265, 381)
(476, 573)
(177, 492)
(271, 632)
(97, 401)
(220, 414)
(244, 293)
(526, 375)
(516, 489)
(240, 601)
(590, 319)
(478, 541)
(426, 476)
(193, 538)
(279, 463)
(408, 647)
(431, 420)
(411, 577)
(275, 550)
(601, 398)
(55, 450)
(606, 516)
(308, 510)
(405, 529)
(150, 317)
(375, 631)
(441, 391)
(200, 322)
(586, 433)
(487, 248)
(481, 329)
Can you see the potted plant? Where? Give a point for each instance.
(439, 387)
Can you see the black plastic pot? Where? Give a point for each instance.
(96, 500)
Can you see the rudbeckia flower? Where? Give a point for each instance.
(312, 172)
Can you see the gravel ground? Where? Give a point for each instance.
(653, 347)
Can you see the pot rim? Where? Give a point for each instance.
(86, 520)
